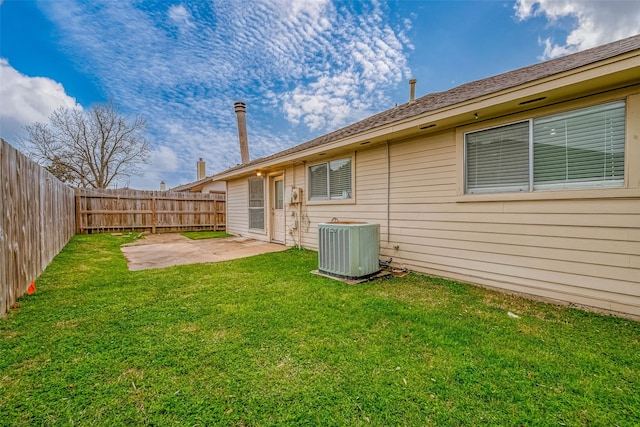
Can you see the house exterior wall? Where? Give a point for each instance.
(214, 186)
(238, 207)
(576, 246)
(370, 196)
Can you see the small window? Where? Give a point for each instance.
(330, 180)
(318, 182)
(256, 204)
(498, 159)
(279, 202)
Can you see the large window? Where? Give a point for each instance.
(579, 149)
(583, 148)
(256, 204)
(330, 180)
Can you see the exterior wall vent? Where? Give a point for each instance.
(348, 250)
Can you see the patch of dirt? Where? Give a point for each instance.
(166, 250)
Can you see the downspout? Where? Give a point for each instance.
(388, 192)
(302, 200)
(297, 210)
(300, 207)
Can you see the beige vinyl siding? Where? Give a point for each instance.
(370, 195)
(581, 247)
(295, 177)
(371, 178)
(585, 251)
(237, 207)
(423, 169)
(291, 211)
(566, 250)
(238, 210)
(577, 246)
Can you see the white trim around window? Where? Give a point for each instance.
(331, 181)
(580, 149)
(256, 204)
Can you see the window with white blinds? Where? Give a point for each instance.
(579, 149)
(256, 204)
(330, 180)
(498, 159)
(318, 182)
(340, 179)
(583, 148)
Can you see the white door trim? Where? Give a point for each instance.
(277, 204)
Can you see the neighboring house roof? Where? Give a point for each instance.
(199, 185)
(462, 93)
(193, 186)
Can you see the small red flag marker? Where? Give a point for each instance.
(32, 288)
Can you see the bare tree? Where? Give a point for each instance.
(89, 149)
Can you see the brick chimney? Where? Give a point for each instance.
(241, 112)
(201, 172)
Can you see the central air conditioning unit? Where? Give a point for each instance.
(348, 250)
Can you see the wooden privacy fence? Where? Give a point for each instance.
(154, 211)
(37, 220)
(39, 214)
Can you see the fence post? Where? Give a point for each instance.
(154, 217)
(78, 214)
(215, 215)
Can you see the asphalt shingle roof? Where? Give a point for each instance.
(465, 92)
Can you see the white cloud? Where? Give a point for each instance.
(593, 22)
(164, 158)
(181, 16)
(27, 100)
(307, 62)
(323, 103)
(370, 55)
(313, 8)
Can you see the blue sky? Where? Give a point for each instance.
(304, 68)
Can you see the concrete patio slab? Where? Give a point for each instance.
(166, 250)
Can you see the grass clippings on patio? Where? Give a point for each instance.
(261, 342)
(199, 235)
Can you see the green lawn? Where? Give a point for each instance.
(261, 342)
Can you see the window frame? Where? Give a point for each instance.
(328, 199)
(466, 158)
(607, 164)
(255, 208)
(538, 188)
